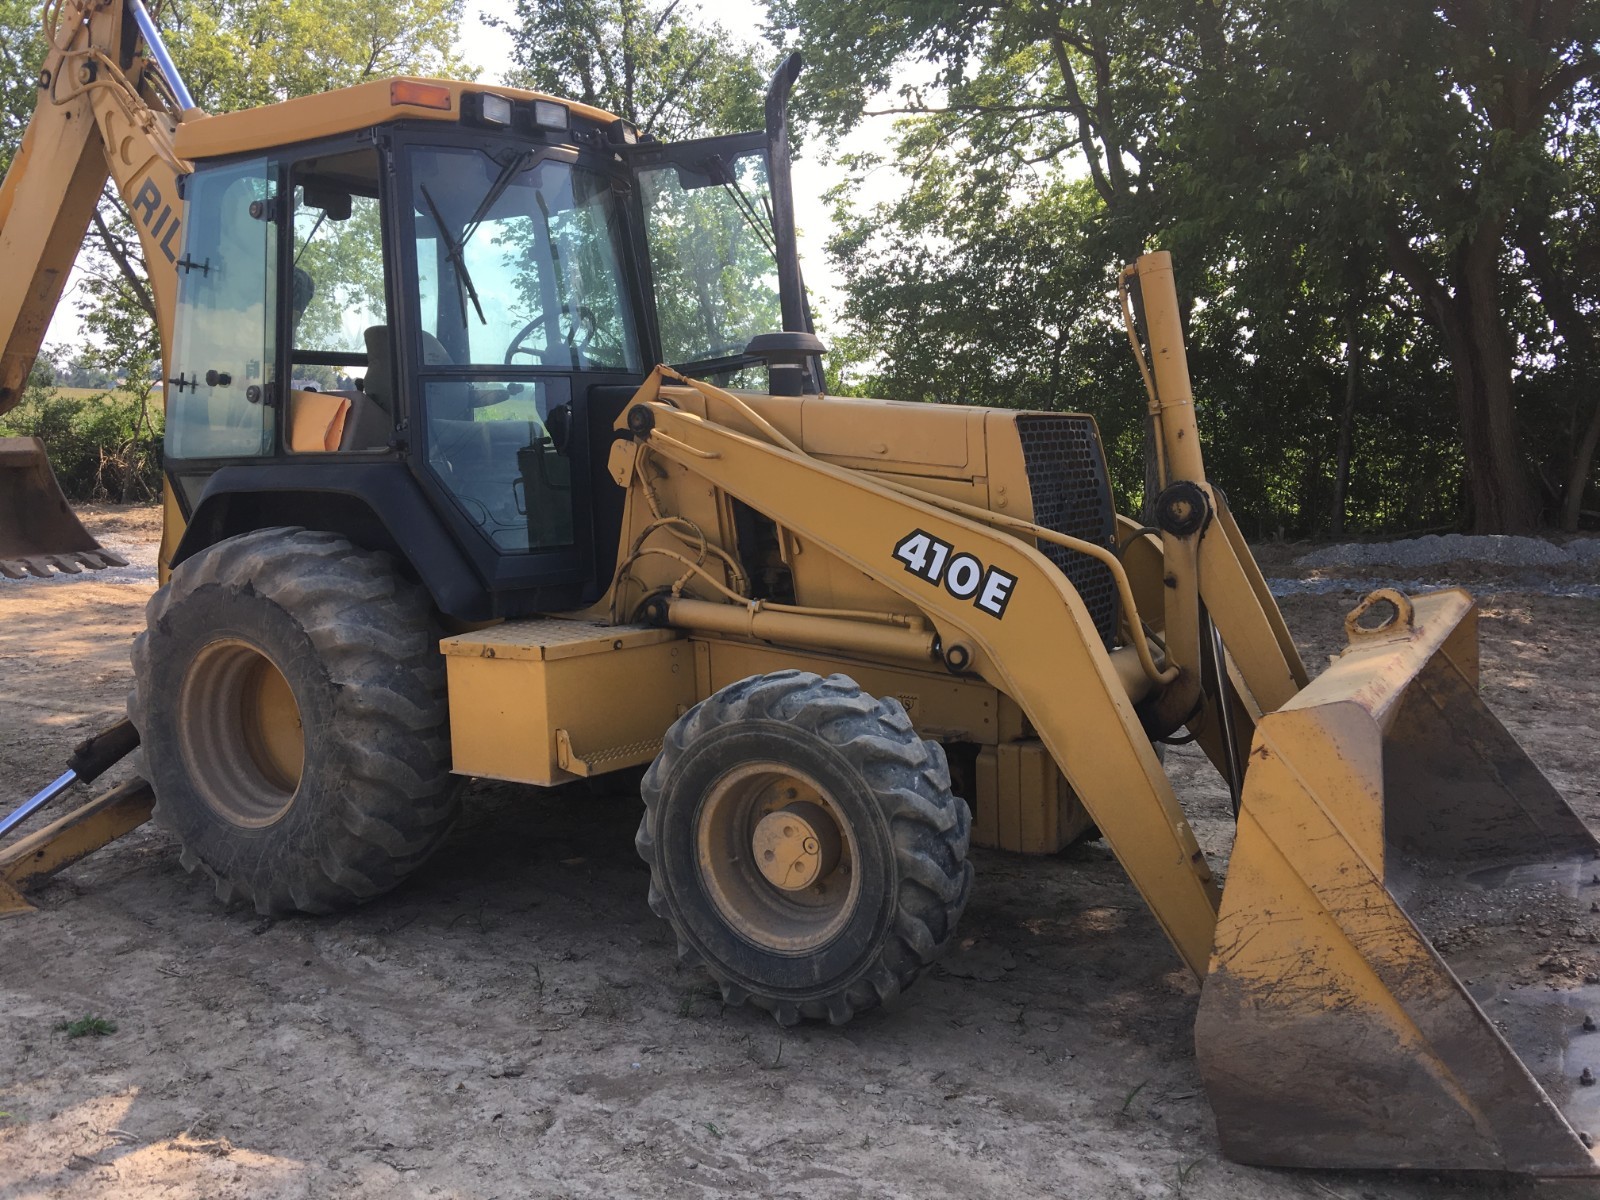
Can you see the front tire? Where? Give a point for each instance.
(804, 844)
(290, 700)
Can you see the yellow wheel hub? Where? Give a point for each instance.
(240, 731)
(796, 846)
(776, 857)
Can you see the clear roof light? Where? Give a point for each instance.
(547, 114)
(496, 110)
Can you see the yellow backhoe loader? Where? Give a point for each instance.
(436, 508)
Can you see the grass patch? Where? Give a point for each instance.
(87, 1026)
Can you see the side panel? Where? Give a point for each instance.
(549, 721)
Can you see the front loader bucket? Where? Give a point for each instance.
(38, 529)
(1401, 975)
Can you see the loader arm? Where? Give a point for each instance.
(1042, 638)
(1212, 564)
(104, 112)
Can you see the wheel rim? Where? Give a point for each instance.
(777, 858)
(240, 731)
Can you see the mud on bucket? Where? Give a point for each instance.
(1377, 996)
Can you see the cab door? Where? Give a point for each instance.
(219, 397)
(522, 301)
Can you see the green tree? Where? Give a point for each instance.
(237, 54)
(644, 60)
(1431, 134)
(1331, 175)
(21, 57)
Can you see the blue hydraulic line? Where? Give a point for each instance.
(13, 819)
(152, 38)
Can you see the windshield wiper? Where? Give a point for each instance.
(453, 249)
(306, 245)
(496, 190)
(746, 207)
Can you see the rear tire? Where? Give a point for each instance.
(871, 873)
(290, 701)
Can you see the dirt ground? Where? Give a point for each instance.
(512, 1022)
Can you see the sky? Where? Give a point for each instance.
(814, 174)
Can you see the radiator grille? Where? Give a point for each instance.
(1072, 495)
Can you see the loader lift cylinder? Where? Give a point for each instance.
(158, 49)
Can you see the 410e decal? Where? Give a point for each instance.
(963, 576)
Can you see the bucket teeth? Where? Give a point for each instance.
(41, 566)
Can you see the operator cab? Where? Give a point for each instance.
(421, 329)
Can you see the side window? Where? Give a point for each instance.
(223, 344)
(338, 311)
(709, 224)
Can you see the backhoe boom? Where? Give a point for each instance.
(103, 113)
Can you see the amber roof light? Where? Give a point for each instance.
(419, 95)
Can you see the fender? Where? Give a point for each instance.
(378, 506)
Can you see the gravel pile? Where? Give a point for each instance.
(1483, 562)
(1531, 583)
(1495, 550)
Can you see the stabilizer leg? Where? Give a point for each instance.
(78, 834)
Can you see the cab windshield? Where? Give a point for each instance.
(518, 262)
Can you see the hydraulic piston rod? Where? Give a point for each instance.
(158, 49)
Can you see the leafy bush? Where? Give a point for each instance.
(102, 447)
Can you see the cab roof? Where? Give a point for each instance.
(378, 102)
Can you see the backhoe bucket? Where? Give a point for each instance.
(38, 529)
(1403, 974)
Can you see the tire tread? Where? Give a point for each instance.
(371, 631)
(930, 828)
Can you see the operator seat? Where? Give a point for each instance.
(371, 421)
(380, 362)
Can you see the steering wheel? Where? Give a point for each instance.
(579, 333)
